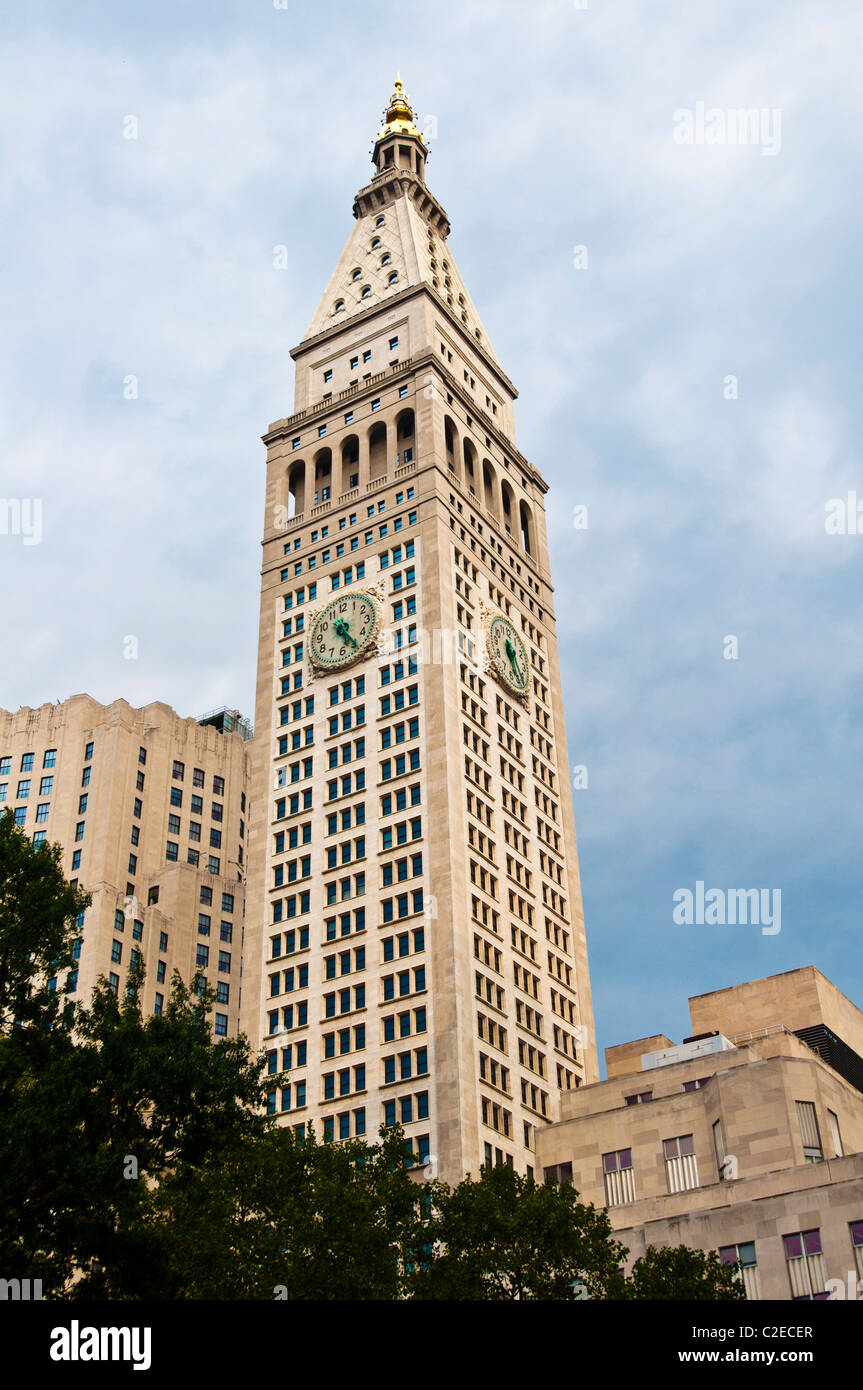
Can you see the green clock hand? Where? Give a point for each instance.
(510, 651)
(344, 631)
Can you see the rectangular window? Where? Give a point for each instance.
(619, 1178)
(681, 1167)
(744, 1255)
(805, 1261)
(809, 1131)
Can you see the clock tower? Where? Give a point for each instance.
(414, 937)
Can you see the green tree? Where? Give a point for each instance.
(502, 1236)
(284, 1217)
(680, 1274)
(37, 927)
(140, 1162)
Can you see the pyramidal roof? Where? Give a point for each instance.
(398, 240)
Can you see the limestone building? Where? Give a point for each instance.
(746, 1139)
(414, 901)
(151, 811)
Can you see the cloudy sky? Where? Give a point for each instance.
(680, 320)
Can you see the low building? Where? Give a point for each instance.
(747, 1138)
(151, 811)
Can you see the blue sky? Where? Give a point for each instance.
(555, 125)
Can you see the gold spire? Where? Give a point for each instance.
(399, 118)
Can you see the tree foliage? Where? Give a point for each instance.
(680, 1273)
(140, 1162)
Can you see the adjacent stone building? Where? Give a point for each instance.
(151, 811)
(747, 1138)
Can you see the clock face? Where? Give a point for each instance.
(343, 631)
(509, 655)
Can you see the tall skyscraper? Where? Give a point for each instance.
(415, 946)
(150, 810)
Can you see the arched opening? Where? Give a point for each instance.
(350, 463)
(296, 488)
(377, 451)
(507, 497)
(450, 439)
(489, 489)
(470, 466)
(405, 437)
(525, 517)
(323, 476)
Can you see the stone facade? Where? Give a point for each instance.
(750, 1141)
(150, 810)
(415, 918)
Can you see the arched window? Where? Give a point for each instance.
(450, 442)
(469, 466)
(525, 517)
(296, 481)
(338, 306)
(392, 277)
(489, 489)
(323, 476)
(367, 289)
(350, 463)
(377, 451)
(507, 498)
(405, 437)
